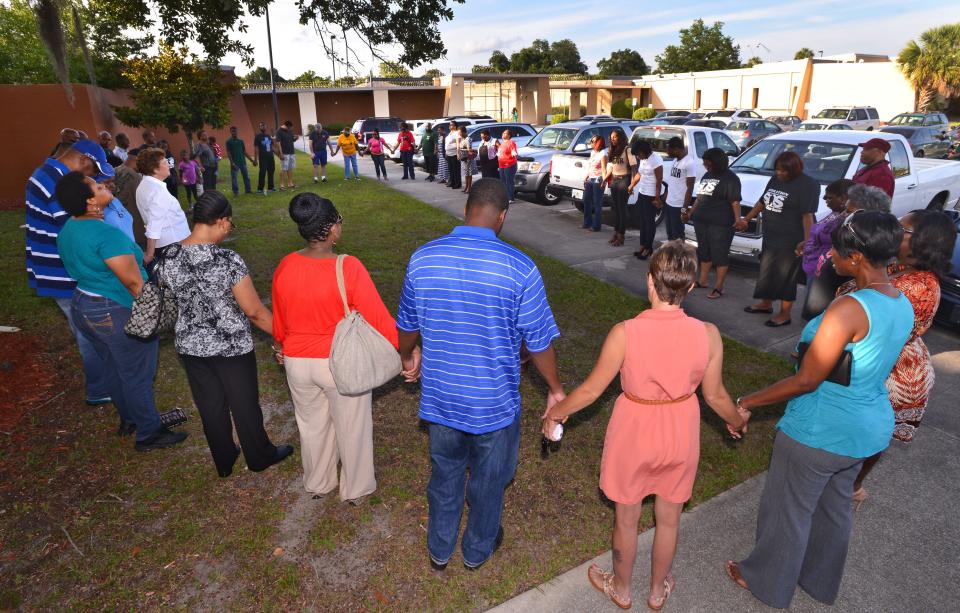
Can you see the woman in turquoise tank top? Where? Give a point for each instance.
(831, 425)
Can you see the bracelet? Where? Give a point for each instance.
(738, 405)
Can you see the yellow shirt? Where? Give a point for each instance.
(347, 144)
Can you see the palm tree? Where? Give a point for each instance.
(933, 64)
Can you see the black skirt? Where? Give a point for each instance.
(780, 271)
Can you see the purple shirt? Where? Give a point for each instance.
(188, 172)
(819, 243)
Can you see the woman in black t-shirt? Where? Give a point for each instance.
(788, 204)
(713, 214)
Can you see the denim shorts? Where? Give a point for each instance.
(289, 161)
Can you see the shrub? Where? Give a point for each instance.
(622, 108)
(334, 128)
(558, 119)
(644, 113)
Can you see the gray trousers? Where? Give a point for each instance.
(803, 524)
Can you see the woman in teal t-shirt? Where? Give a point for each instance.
(108, 268)
(836, 417)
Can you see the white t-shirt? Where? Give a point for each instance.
(676, 179)
(450, 144)
(648, 181)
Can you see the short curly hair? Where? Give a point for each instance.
(148, 160)
(674, 269)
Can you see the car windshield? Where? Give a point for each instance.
(832, 114)
(811, 126)
(720, 114)
(738, 126)
(553, 138)
(357, 125)
(657, 138)
(907, 120)
(905, 132)
(825, 162)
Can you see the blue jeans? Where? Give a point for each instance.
(674, 223)
(129, 363)
(592, 204)
(233, 178)
(508, 176)
(94, 374)
(348, 161)
(406, 157)
(491, 459)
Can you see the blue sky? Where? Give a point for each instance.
(770, 30)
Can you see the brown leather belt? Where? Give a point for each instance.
(633, 398)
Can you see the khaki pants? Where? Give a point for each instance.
(332, 428)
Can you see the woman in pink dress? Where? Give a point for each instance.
(652, 444)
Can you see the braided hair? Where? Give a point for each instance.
(314, 216)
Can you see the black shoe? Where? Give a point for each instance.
(436, 565)
(282, 453)
(229, 471)
(126, 428)
(496, 546)
(162, 439)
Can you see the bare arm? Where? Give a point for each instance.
(151, 249)
(546, 363)
(688, 197)
(126, 269)
(714, 391)
(409, 354)
(658, 175)
(251, 305)
(742, 222)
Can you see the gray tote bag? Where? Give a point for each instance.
(360, 358)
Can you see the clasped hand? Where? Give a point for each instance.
(411, 366)
(738, 433)
(549, 422)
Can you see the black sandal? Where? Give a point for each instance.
(717, 292)
(750, 309)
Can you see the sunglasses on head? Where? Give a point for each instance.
(848, 225)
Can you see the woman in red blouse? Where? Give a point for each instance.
(928, 242)
(306, 310)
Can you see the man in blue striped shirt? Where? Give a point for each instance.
(45, 271)
(473, 300)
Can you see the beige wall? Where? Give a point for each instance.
(878, 84)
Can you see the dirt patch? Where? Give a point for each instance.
(26, 380)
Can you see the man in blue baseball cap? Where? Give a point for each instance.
(45, 272)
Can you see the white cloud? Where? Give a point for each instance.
(487, 45)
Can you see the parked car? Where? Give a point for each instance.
(533, 161)
(569, 170)
(813, 125)
(716, 124)
(389, 128)
(593, 118)
(949, 311)
(925, 142)
(417, 126)
(787, 123)
(857, 117)
(667, 121)
(522, 133)
(696, 116)
(729, 115)
(746, 133)
(937, 121)
(829, 155)
(663, 114)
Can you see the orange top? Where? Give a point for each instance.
(307, 306)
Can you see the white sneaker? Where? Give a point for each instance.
(323, 180)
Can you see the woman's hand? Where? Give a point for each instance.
(411, 367)
(277, 353)
(738, 433)
(548, 427)
(800, 248)
(657, 202)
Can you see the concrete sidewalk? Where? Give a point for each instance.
(905, 552)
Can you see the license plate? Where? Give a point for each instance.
(576, 194)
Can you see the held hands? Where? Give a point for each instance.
(800, 247)
(685, 215)
(277, 353)
(738, 433)
(411, 366)
(657, 202)
(549, 422)
(741, 225)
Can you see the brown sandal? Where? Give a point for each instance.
(655, 604)
(733, 571)
(602, 581)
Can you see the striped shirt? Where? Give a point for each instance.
(45, 218)
(473, 298)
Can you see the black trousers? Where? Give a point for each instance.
(490, 169)
(430, 164)
(267, 168)
(225, 387)
(620, 194)
(456, 172)
(209, 177)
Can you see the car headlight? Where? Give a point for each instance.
(530, 167)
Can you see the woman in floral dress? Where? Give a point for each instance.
(928, 242)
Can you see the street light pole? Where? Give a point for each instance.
(333, 60)
(273, 85)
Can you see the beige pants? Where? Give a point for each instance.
(332, 428)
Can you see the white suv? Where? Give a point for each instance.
(731, 115)
(857, 117)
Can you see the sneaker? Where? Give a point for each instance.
(162, 439)
(316, 180)
(323, 180)
(356, 178)
(264, 192)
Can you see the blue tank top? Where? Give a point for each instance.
(855, 420)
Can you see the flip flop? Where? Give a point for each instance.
(655, 604)
(733, 571)
(774, 324)
(717, 292)
(602, 581)
(750, 309)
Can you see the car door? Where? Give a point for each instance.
(724, 142)
(905, 186)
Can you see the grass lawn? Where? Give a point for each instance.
(86, 522)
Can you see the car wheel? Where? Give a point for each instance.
(578, 204)
(870, 129)
(937, 203)
(545, 196)
(919, 154)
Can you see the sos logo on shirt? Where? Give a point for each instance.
(773, 200)
(707, 186)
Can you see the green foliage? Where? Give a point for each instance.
(499, 62)
(558, 119)
(752, 62)
(175, 90)
(433, 73)
(23, 58)
(644, 112)
(308, 75)
(932, 64)
(700, 48)
(262, 75)
(804, 53)
(559, 57)
(625, 62)
(622, 108)
(393, 70)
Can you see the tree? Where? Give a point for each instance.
(393, 70)
(481, 68)
(625, 62)
(700, 48)
(752, 62)
(177, 91)
(499, 62)
(560, 57)
(933, 64)
(262, 75)
(565, 58)
(309, 75)
(433, 73)
(805, 53)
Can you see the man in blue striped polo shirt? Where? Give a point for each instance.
(473, 299)
(45, 271)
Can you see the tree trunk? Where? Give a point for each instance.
(50, 28)
(925, 97)
(82, 39)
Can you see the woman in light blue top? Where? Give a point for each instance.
(838, 414)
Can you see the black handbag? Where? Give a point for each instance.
(842, 370)
(154, 311)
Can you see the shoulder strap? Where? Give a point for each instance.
(341, 285)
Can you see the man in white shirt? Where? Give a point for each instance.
(680, 181)
(450, 152)
(123, 144)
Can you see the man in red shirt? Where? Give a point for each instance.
(407, 144)
(876, 169)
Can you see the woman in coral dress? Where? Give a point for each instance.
(652, 444)
(928, 242)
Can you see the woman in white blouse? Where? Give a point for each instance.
(164, 219)
(650, 177)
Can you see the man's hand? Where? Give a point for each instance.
(553, 398)
(657, 202)
(741, 225)
(800, 247)
(411, 366)
(738, 433)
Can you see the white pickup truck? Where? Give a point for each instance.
(568, 171)
(829, 155)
